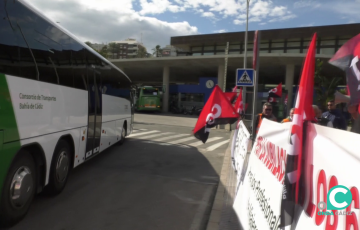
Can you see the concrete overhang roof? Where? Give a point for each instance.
(188, 69)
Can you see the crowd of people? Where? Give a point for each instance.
(333, 117)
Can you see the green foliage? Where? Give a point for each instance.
(114, 50)
(104, 51)
(89, 44)
(157, 51)
(141, 52)
(325, 87)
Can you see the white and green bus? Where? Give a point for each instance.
(60, 105)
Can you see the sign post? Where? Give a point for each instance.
(245, 47)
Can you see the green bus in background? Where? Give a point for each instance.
(148, 98)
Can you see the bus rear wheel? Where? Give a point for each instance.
(123, 135)
(60, 168)
(19, 189)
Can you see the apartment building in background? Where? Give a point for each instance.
(128, 48)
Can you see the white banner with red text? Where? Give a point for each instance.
(332, 158)
(258, 200)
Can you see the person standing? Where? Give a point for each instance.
(266, 113)
(290, 117)
(319, 119)
(335, 116)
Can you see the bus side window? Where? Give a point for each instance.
(57, 52)
(79, 66)
(42, 47)
(15, 56)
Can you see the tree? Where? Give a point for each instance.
(141, 52)
(89, 44)
(324, 87)
(157, 51)
(104, 51)
(114, 49)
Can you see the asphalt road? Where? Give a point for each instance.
(160, 178)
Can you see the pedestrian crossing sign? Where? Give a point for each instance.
(244, 77)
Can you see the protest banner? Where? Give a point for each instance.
(331, 158)
(240, 146)
(258, 200)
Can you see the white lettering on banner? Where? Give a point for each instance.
(210, 119)
(331, 158)
(259, 197)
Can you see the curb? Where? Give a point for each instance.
(216, 210)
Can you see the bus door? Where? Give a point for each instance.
(95, 113)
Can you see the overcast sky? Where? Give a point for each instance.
(102, 21)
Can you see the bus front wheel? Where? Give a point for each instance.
(60, 168)
(19, 189)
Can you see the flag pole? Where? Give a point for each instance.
(245, 47)
(256, 61)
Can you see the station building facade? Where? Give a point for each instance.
(282, 53)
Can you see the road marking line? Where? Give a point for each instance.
(213, 147)
(195, 144)
(139, 134)
(182, 140)
(155, 135)
(166, 144)
(137, 130)
(171, 137)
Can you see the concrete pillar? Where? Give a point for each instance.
(166, 76)
(289, 82)
(221, 72)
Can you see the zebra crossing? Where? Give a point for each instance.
(182, 140)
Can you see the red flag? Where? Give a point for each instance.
(235, 88)
(271, 99)
(216, 111)
(230, 96)
(276, 92)
(303, 111)
(239, 105)
(347, 58)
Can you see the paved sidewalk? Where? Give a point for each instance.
(222, 215)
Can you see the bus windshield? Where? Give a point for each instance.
(150, 91)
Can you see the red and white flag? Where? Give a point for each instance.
(347, 58)
(239, 105)
(276, 92)
(303, 112)
(271, 99)
(217, 110)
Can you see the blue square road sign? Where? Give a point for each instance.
(244, 77)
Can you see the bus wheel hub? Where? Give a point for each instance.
(21, 185)
(62, 167)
